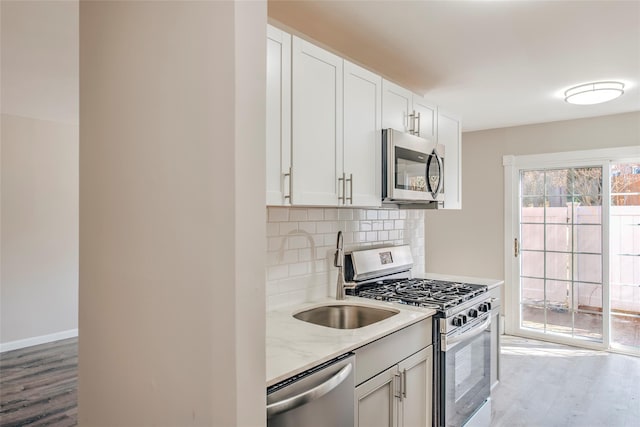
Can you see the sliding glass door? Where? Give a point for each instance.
(561, 251)
(573, 260)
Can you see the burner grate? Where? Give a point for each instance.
(428, 293)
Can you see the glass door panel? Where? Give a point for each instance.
(561, 251)
(625, 256)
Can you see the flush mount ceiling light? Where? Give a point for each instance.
(593, 93)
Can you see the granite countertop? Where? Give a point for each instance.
(294, 346)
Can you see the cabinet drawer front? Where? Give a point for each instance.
(385, 352)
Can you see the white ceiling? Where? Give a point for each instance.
(495, 63)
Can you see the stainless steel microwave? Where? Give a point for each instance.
(412, 169)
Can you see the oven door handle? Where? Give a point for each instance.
(448, 343)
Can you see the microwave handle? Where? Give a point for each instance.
(441, 169)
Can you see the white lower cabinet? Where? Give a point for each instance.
(400, 396)
(376, 404)
(416, 374)
(394, 379)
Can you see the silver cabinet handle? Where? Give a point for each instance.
(309, 395)
(417, 132)
(397, 391)
(448, 343)
(290, 175)
(412, 123)
(350, 198)
(343, 197)
(404, 383)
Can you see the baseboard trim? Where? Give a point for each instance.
(42, 339)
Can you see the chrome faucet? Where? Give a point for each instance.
(338, 261)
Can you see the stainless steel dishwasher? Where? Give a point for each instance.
(322, 396)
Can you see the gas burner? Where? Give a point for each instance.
(428, 293)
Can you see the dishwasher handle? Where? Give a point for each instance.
(309, 395)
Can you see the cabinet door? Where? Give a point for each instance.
(376, 401)
(316, 125)
(278, 123)
(362, 136)
(426, 122)
(417, 382)
(396, 106)
(449, 134)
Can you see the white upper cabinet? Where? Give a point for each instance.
(405, 111)
(450, 135)
(397, 104)
(278, 120)
(316, 125)
(362, 137)
(425, 120)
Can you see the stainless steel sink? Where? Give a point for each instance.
(345, 316)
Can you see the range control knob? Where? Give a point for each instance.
(488, 306)
(457, 321)
(473, 313)
(484, 307)
(464, 318)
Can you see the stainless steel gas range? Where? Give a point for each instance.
(461, 333)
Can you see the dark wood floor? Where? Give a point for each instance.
(38, 385)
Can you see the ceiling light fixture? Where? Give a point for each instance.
(593, 93)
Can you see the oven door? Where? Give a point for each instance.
(464, 369)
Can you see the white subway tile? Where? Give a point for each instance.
(372, 214)
(298, 215)
(402, 214)
(272, 229)
(383, 214)
(315, 214)
(287, 228)
(307, 227)
(298, 242)
(324, 227)
(360, 214)
(383, 235)
(345, 214)
(299, 269)
(365, 226)
(372, 236)
(352, 226)
(394, 214)
(277, 272)
(394, 234)
(399, 224)
(277, 243)
(277, 214)
(304, 254)
(287, 257)
(331, 214)
(376, 225)
(388, 225)
(330, 239)
(348, 237)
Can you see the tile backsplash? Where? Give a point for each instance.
(301, 244)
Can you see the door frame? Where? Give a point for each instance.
(512, 167)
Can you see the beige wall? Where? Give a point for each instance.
(470, 241)
(39, 263)
(172, 101)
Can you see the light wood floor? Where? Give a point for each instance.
(549, 385)
(543, 385)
